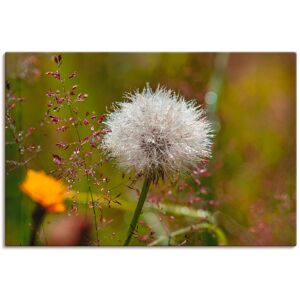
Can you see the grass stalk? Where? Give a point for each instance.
(84, 162)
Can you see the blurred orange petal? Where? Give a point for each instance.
(45, 190)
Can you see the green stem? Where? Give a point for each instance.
(37, 219)
(219, 233)
(138, 210)
(84, 162)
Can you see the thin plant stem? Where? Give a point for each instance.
(37, 219)
(219, 233)
(88, 181)
(23, 162)
(84, 163)
(138, 210)
(14, 131)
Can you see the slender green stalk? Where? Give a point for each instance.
(138, 210)
(37, 219)
(84, 162)
(196, 227)
(88, 180)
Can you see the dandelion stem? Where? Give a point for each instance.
(138, 210)
(37, 219)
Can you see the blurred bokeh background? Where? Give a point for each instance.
(250, 186)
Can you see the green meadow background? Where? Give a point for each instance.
(250, 98)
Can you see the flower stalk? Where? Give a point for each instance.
(37, 219)
(138, 210)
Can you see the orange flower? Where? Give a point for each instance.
(45, 190)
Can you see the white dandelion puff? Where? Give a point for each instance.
(157, 133)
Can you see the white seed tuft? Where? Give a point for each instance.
(157, 133)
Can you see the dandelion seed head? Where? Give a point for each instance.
(157, 133)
